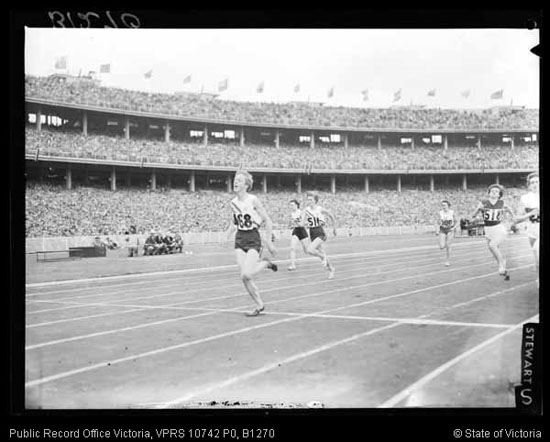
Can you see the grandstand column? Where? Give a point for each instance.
(497, 179)
(68, 178)
(431, 183)
(366, 184)
(279, 181)
(153, 180)
(345, 141)
(207, 183)
(412, 142)
(205, 136)
(479, 141)
(113, 178)
(85, 123)
(512, 141)
(333, 184)
(277, 138)
(399, 183)
(379, 142)
(39, 120)
(241, 140)
(312, 140)
(228, 182)
(464, 182)
(445, 142)
(127, 128)
(264, 183)
(192, 181)
(167, 132)
(299, 184)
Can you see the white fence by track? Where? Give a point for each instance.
(43, 244)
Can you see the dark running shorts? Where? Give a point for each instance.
(445, 230)
(300, 232)
(248, 239)
(317, 232)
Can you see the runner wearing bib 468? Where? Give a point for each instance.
(248, 215)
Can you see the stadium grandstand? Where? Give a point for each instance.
(99, 159)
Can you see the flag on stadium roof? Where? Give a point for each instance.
(223, 85)
(105, 68)
(365, 95)
(148, 74)
(260, 88)
(187, 79)
(465, 93)
(61, 62)
(297, 88)
(431, 93)
(330, 93)
(497, 95)
(397, 95)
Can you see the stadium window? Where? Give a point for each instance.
(229, 134)
(437, 139)
(32, 118)
(112, 123)
(534, 137)
(196, 133)
(153, 126)
(304, 138)
(406, 140)
(325, 139)
(506, 139)
(217, 134)
(427, 140)
(527, 139)
(335, 138)
(43, 119)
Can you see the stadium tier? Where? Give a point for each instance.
(55, 143)
(55, 211)
(57, 90)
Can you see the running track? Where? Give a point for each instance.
(395, 328)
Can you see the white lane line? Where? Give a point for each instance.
(272, 366)
(104, 364)
(233, 266)
(347, 268)
(133, 306)
(231, 277)
(217, 310)
(394, 400)
(311, 261)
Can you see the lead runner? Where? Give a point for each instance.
(248, 215)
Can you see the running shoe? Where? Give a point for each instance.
(271, 265)
(291, 267)
(331, 272)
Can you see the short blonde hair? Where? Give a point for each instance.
(247, 178)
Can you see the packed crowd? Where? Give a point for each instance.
(72, 144)
(87, 211)
(194, 105)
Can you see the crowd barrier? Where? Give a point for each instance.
(33, 245)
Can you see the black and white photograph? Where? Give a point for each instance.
(280, 219)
